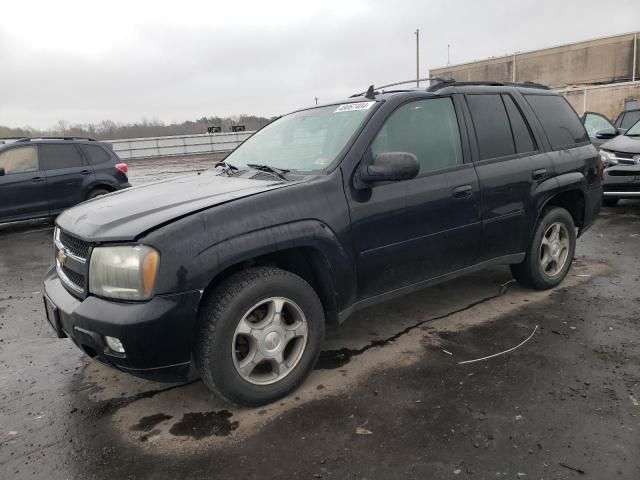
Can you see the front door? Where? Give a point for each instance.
(23, 185)
(419, 229)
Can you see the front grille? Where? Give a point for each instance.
(75, 277)
(72, 266)
(78, 247)
(624, 155)
(622, 188)
(622, 173)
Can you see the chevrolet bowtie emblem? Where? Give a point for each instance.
(62, 257)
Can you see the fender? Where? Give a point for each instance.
(304, 233)
(97, 183)
(572, 181)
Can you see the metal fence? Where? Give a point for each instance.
(178, 145)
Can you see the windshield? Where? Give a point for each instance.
(307, 141)
(634, 131)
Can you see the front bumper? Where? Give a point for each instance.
(157, 335)
(622, 182)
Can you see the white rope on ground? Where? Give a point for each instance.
(502, 353)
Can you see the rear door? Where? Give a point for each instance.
(23, 187)
(68, 175)
(415, 230)
(510, 164)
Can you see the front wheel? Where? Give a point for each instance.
(259, 335)
(550, 253)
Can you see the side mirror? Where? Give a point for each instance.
(1, 172)
(607, 133)
(387, 167)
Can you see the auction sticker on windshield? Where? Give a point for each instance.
(352, 107)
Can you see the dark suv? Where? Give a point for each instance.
(41, 177)
(322, 212)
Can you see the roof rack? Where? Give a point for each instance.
(373, 91)
(487, 83)
(28, 139)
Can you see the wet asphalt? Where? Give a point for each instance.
(388, 399)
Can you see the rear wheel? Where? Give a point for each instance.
(259, 335)
(610, 202)
(550, 253)
(96, 192)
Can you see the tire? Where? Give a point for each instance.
(97, 192)
(610, 202)
(223, 346)
(532, 271)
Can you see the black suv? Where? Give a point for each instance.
(321, 213)
(41, 177)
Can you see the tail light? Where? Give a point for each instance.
(122, 167)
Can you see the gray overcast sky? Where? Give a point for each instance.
(124, 60)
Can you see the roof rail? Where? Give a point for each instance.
(372, 91)
(487, 83)
(28, 139)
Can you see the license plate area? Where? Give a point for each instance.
(53, 317)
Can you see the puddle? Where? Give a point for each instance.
(147, 424)
(200, 425)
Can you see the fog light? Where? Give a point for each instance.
(114, 344)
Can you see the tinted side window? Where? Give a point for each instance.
(96, 154)
(426, 128)
(629, 119)
(521, 132)
(559, 121)
(60, 156)
(492, 126)
(19, 160)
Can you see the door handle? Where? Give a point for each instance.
(539, 174)
(462, 191)
(37, 179)
(85, 172)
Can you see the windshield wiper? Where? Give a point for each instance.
(279, 172)
(226, 167)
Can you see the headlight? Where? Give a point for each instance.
(123, 272)
(608, 158)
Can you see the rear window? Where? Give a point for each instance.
(491, 123)
(559, 121)
(521, 133)
(96, 154)
(60, 156)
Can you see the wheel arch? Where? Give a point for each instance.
(308, 249)
(99, 186)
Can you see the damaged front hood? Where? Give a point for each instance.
(623, 143)
(126, 214)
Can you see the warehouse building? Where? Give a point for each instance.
(601, 75)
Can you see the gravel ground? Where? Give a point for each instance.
(388, 399)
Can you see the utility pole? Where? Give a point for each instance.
(316, 100)
(417, 32)
(448, 52)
